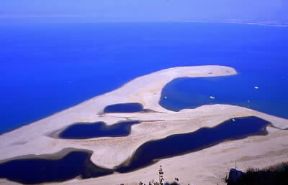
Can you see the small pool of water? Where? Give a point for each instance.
(39, 170)
(179, 144)
(124, 108)
(98, 129)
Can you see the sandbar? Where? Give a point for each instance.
(207, 166)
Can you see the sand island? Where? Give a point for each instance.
(206, 165)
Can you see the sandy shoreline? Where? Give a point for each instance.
(109, 152)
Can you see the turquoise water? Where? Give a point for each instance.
(46, 68)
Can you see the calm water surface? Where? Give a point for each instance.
(124, 108)
(98, 129)
(267, 94)
(39, 170)
(179, 144)
(46, 68)
(78, 163)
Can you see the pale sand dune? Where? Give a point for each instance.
(204, 167)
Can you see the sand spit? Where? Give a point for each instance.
(204, 167)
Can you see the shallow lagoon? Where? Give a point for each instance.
(267, 94)
(98, 129)
(78, 163)
(179, 144)
(124, 108)
(42, 169)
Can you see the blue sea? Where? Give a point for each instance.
(46, 68)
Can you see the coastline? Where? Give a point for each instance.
(110, 152)
(33, 20)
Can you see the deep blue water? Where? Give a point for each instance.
(179, 144)
(98, 129)
(46, 68)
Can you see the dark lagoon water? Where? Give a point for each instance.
(179, 144)
(267, 94)
(39, 170)
(77, 163)
(123, 108)
(98, 129)
(46, 68)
